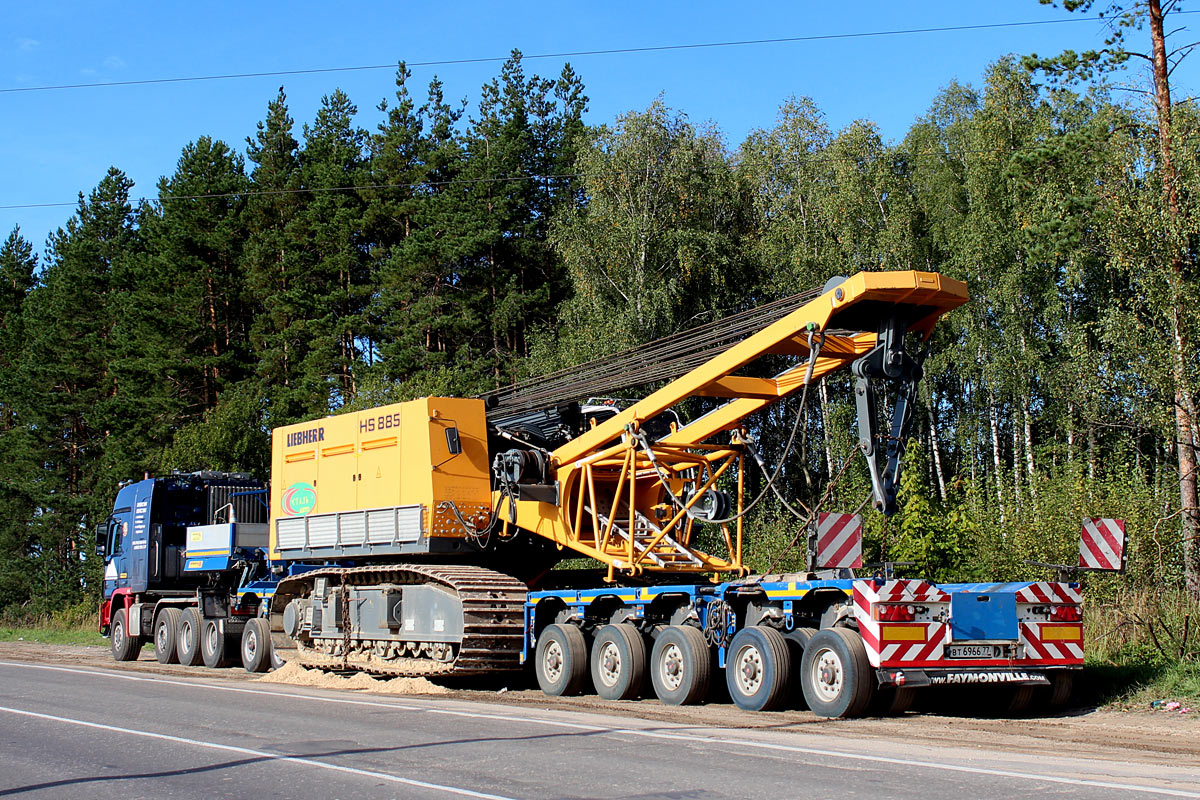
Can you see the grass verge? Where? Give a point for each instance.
(48, 635)
(1126, 686)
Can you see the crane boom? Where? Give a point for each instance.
(632, 502)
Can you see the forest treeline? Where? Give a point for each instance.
(324, 267)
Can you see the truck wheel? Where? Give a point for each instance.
(214, 647)
(757, 667)
(561, 660)
(619, 662)
(188, 649)
(680, 666)
(124, 646)
(836, 674)
(256, 645)
(166, 636)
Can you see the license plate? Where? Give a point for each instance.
(973, 651)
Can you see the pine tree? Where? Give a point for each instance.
(331, 237)
(17, 468)
(195, 279)
(68, 391)
(275, 264)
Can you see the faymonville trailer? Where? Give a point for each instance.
(418, 539)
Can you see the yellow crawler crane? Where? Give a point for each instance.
(419, 540)
(634, 503)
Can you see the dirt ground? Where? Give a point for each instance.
(1135, 735)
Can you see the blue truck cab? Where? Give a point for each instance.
(185, 561)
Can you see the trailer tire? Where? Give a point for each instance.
(836, 674)
(619, 662)
(1057, 694)
(214, 645)
(1012, 701)
(680, 666)
(797, 640)
(124, 646)
(166, 636)
(892, 701)
(188, 650)
(757, 667)
(561, 660)
(256, 645)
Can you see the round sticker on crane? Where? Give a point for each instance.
(124, 528)
(299, 499)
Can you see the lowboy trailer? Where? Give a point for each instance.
(418, 539)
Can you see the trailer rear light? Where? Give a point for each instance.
(894, 612)
(1066, 614)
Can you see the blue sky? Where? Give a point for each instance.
(55, 144)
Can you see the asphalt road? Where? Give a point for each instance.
(81, 732)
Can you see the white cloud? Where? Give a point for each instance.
(27, 45)
(114, 62)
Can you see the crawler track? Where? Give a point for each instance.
(493, 621)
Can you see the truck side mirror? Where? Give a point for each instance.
(101, 535)
(1102, 545)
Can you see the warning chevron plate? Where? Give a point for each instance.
(839, 541)
(1102, 544)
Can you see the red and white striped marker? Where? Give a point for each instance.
(839, 541)
(1102, 544)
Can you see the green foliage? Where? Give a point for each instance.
(938, 536)
(234, 435)
(452, 250)
(654, 249)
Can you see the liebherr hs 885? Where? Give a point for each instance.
(405, 540)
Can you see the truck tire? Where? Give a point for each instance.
(214, 645)
(188, 650)
(124, 646)
(757, 668)
(561, 660)
(619, 662)
(256, 645)
(836, 675)
(166, 636)
(680, 666)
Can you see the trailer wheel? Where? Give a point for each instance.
(214, 645)
(757, 666)
(619, 662)
(1011, 701)
(1057, 694)
(836, 674)
(561, 660)
(124, 646)
(256, 645)
(680, 666)
(166, 636)
(892, 701)
(797, 640)
(188, 649)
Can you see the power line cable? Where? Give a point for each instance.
(567, 54)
